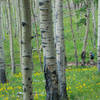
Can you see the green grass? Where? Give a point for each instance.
(82, 84)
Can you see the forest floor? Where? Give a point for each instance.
(83, 83)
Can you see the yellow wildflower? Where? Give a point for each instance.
(84, 84)
(6, 98)
(10, 88)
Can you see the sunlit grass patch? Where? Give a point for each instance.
(82, 83)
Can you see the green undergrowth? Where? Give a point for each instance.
(82, 84)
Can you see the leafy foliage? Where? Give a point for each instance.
(82, 21)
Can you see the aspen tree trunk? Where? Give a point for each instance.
(49, 52)
(20, 30)
(37, 40)
(14, 18)
(87, 31)
(15, 2)
(3, 20)
(11, 37)
(2, 61)
(76, 17)
(36, 10)
(54, 20)
(7, 19)
(27, 65)
(60, 50)
(98, 49)
(94, 22)
(74, 40)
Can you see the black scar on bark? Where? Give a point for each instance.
(29, 56)
(29, 78)
(43, 31)
(24, 90)
(26, 68)
(48, 86)
(3, 76)
(24, 24)
(43, 46)
(32, 37)
(83, 55)
(30, 93)
(44, 63)
(22, 42)
(54, 72)
(26, 84)
(47, 1)
(99, 48)
(41, 3)
(44, 43)
(50, 57)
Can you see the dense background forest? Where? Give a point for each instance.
(46, 48)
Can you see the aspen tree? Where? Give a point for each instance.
(73, 35)
(27, 65)
(2, 61)
(37, 38)
(94, 21)
(87, 31)
(20, 29)
(49, 52)
(11, 37)
(60, 49)
(98, 48)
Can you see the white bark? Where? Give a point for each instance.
(3, 20)
(7, 19)
(98, 49)
(60, 49)
(11, 37)
(94, 22)
(54, 20)
(49, 53)
(2, 61)
(20, 30)
(27, 65)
